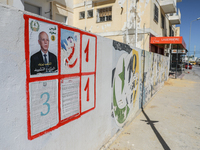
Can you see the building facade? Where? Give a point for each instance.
(132, 22)
(58, 10)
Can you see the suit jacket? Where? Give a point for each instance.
(38, 66)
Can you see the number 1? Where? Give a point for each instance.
(87, 51)
(87, 88)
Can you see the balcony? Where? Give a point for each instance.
(99, 0)
(168, 6)
(175, 18)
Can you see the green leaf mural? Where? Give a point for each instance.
(122, 76)
(120, 114)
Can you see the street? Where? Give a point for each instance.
(195, 70)
(171, 120)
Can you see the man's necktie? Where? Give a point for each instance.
(45, 61)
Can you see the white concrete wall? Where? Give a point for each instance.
(18, 4)
(89, 132)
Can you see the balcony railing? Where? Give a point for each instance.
(168, 6)
(175, 18)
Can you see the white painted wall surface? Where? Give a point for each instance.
(18, 4)
(89, 132)
(12, 81)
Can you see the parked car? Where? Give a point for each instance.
(186, 66)
(192, 62)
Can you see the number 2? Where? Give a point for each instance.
(48, 105)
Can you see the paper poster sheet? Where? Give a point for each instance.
(70, 52)
(43, 47)
(43, 105)
(70, 104)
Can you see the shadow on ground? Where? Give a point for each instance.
(159, 137)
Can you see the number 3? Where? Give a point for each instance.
(48, 105)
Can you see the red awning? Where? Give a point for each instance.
(175, 41)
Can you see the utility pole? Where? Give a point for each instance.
(85, 13)
(194, 50)
(127, 22)
(190, 36)
(136, 23)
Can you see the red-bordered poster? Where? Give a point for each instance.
(60, 74)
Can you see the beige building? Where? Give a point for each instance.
(129, 21)
(58, 10)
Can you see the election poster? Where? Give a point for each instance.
(43, 47)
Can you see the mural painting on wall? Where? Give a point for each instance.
(165, 69)
(159, 69)
(142, 79)
(125, 78)
(61, 74)
(154, 71)
(148, 77)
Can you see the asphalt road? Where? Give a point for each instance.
(195, 71)
(171, 120)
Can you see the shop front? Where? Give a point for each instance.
(180, 65)
(177, 48)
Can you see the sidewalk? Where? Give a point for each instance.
(171, 120)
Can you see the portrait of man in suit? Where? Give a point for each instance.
(43, 61)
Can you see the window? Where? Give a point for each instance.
(170, 31)
(61, 18)
(155, 13)
(163, 21)
(82, 15)
(104, 14)
(90, 13)
(32, 8)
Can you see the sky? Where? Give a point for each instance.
(190, 10)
